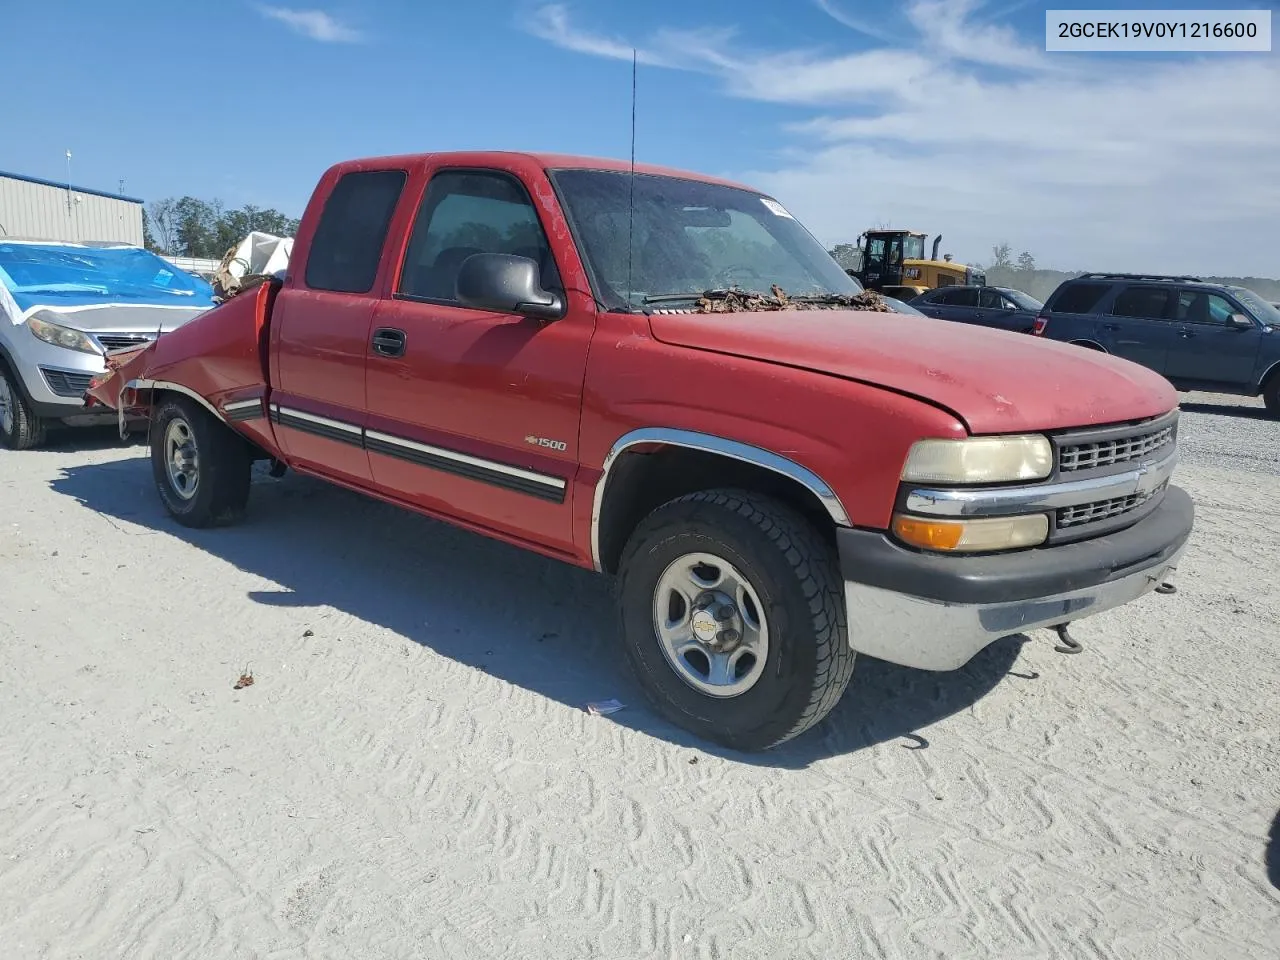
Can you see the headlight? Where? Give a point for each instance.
(60, 336)
(972, 536)
(979, 460)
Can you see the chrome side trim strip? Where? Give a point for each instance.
(554, 483)
(1003, 501)
(313, 418)
(708, 443)
(243, 405)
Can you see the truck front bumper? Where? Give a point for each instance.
(935, 612)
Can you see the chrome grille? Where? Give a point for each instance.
(1104, 509)
(66, 384)
(1109, 452)
(122, 341)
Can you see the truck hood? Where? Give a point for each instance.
(993, 380)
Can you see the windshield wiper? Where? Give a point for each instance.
(676, 297)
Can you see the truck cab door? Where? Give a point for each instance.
(1208, 348)
(474, 414)
(320, 329)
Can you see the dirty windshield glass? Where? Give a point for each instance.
(690, 237)
(1262, 310)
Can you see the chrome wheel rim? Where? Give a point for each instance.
(710, 625)
(6, 405)
(181, 458)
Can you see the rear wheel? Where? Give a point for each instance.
(20, 429)
(732, 617)
(200, 467)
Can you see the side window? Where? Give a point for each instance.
(1197, 306)
(465, 213)
(944, 299)
(964, 297)
(1220, 309)
(1147, 303)
(1077, 297)
(347, 245)
(991, 299)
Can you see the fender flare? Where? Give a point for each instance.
(154, 385)
(709, 443)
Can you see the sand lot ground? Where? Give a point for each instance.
(413, 774)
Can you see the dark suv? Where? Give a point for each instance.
(1200, 336)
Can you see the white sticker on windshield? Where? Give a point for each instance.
(775, 207)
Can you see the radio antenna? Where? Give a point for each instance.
(631, 200)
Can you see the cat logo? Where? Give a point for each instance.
(544, 442)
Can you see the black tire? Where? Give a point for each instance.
(795, 575)
(221, 466)
(1271, 395)
(23, 429)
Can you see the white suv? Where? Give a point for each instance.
(63, 307)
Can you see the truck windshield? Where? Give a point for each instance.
(689, 237)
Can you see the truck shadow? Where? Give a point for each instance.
(536, 623)
(1227, 409)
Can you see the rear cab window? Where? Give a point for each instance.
(347, 246)
(1077, 297)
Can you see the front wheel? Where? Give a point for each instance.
(732, 616)
(201, 468)
(20, 429)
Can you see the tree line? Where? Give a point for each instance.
(189, 227)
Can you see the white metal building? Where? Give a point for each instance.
(36, 209)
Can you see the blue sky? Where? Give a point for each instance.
(940, 115)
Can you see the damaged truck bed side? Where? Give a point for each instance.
(666, 378)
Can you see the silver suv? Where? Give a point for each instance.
(63, 307)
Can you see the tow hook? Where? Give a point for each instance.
(1069, 643)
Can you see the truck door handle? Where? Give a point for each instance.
(1186, 334)
(1111, 326)
(388, 341)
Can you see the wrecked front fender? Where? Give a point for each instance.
(111, 388)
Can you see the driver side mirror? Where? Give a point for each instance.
(506, 283)
(1238, 321)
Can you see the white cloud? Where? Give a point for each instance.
(965, 128)
(313, 24)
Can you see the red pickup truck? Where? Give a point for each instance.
(666, 378)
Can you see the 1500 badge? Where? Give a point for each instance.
(544, 442)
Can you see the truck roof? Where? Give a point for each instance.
(547, 161)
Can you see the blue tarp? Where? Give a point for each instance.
(63, 275)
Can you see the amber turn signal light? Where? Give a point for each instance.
(970, 536)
